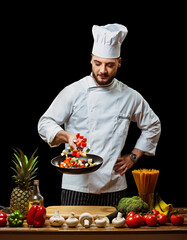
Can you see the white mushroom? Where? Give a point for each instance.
(56, 220)
(72, 221)
(100, 222)
(86, 219)
(119, 221)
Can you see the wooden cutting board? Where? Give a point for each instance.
(78, 210)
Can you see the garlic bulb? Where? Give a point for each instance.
(56, 220)
(72, 221)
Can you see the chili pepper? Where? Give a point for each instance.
(36, 216)
(15, 219)
(3, 220)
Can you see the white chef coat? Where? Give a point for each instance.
(102, 115)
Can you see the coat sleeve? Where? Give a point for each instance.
(149, 124)
(52, 120)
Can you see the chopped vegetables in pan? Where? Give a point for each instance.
(73, 156)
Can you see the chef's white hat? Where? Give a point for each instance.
(108, 40)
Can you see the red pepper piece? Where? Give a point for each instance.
(36, 216)
(78, 143)
(74, 152)
(83, 144)
(78, 155)
(77, 135)
(77, 165)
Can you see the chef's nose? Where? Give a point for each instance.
(103, 68)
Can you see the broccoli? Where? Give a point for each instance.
(135, 204)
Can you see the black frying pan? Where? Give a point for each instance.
(95, 159)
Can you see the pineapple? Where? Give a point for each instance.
(25, 172)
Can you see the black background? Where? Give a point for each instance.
(44, 48)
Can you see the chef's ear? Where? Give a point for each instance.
(91, 58)
(119, 62)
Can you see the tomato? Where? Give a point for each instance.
(151, 220)
(141, 220)
(155, 212)
(132, 222)
(177, 219)
(131, 214)
(161, 218)
(145, 216)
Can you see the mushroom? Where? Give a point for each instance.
(72, 221)
(119, 221)
(86, 219)
(56, 220)
(100, 222)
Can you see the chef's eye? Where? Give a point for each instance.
(97, 63)
(110, 65)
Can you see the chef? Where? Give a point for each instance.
(100, 107)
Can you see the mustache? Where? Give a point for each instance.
(103, 75)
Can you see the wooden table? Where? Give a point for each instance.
(93, 233)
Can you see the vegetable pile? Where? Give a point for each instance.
(135, 204)
(137, 213)
(73, 156)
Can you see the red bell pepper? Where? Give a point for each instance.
(36, 216)
(3, 220)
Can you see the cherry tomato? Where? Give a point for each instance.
(151, 220)
(155, 212)
(132, 222)
(141, 219)
(145, 216)
(130, 214)
(161, 218)
(177, 219)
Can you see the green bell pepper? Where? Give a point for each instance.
(16, 219)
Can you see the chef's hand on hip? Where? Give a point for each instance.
(123, 163)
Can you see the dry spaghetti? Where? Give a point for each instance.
(146, 180)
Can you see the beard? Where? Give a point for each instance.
(103, 83)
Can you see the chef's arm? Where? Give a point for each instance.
(149, 124)
(50, 124)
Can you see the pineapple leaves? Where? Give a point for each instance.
(25, 169)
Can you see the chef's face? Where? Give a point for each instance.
(104, 69)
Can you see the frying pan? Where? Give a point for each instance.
(95, 159)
